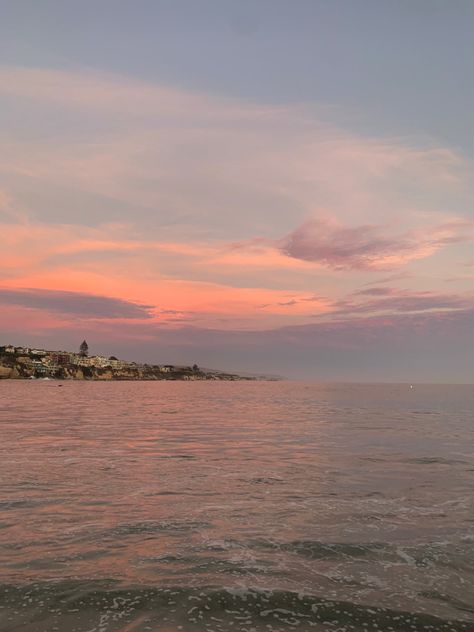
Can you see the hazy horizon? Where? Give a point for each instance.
(268, 187)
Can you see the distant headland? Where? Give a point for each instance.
(29, 363)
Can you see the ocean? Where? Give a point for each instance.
(244, 506)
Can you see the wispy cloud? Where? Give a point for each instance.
(383, 300)
(228, 168)
(115, 94)
(393, 301)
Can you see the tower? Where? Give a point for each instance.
(84, 349)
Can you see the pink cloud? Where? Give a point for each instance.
(368, 247)
(383, 300)
(105, 262)
(392, 301)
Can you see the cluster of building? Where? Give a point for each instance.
(46, 362)
(30, 363)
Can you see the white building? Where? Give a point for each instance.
(83, 361)
(100, 362)
(22, 350)
(118, 364)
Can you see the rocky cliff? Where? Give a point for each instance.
(15, 368)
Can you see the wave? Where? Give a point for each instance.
(419, 555)
(151, 526)
(106, 606)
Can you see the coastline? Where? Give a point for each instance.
(24, 363)
(150, 374)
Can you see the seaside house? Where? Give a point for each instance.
(40, 368)
(60, 358)
(36, 366)
(117, 364)
(84, 361)
(22, 350)
(50, 362)
(101, 361)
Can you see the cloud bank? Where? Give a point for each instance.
(74, 303)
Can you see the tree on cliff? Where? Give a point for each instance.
(84, 349)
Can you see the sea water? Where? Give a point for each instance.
(253, 506)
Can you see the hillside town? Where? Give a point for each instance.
(31, 363)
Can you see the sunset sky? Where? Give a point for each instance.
(275, 186)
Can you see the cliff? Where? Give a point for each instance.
(13, 367)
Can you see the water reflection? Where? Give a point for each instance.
(358, 493)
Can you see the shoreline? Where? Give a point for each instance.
(26, 363)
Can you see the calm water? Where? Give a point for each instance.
(236, 506)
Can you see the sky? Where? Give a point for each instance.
(263, 186)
